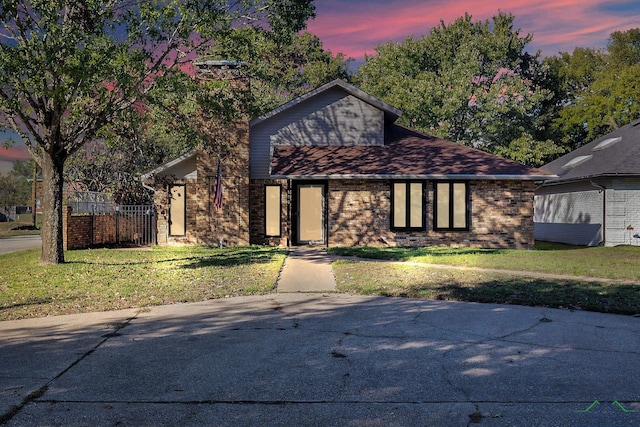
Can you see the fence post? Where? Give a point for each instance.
(118, 225)
(154, 218)
(93, 225)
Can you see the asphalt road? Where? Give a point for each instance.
(14, 244)
(322, 359)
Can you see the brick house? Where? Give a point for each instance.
(595, 197)
(332, 168)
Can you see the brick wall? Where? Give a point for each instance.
(231, 222)
(84, 231)
(501, 216)
(205, 224)
(81, 231)
(162, 200)
(358, 214)
(257, 213)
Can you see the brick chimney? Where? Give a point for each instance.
(229, 146)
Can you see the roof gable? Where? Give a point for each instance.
(182, 167)
(616, 153)
(391, 113)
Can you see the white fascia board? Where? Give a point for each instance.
(169, 164)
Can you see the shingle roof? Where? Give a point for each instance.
(406, 154)
(617, 153)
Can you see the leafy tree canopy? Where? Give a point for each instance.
(599, 89)
(15, 187)
(280, 71)
(70, 68)
(470, 82)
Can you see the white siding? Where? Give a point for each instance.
(573, 217)
(573, 213)
(332, 117)
(623, 210)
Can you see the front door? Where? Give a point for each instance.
(310, 207)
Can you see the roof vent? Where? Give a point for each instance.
(576, 162)
(607, 143)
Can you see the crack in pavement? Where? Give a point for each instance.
(474, 339)
(36, 394)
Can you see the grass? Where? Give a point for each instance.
(111, 279)
(13, 229)
(619, 263)
(419, 279)
(423, 281)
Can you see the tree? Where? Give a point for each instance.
(68, 69)
(280, 71)
(624, 48)
(15, 187)
(601, 89)
(22, 173)
(470, 82)
(114, 163)
(10, 192)
(573, 75)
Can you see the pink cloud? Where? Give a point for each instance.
(356, 27)
(14, 153)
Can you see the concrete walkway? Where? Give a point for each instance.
(307, 270)
(297, 359)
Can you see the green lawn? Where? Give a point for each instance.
(423, 281)
(622, 262)
(12, 229)
(109, 279)
(419, 279)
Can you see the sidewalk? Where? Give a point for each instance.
(307, 270)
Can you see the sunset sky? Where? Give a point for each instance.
(356, 27)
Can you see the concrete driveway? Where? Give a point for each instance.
(322, 359)
(14, 244)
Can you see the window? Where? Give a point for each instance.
(272, 210)
(178, 210)
(407, 205)
(452, 206)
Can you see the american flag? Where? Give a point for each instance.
(217, 191)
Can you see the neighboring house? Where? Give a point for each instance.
(332, 168)
(595, 200)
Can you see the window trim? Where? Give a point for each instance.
(467, 206)
(408, 227)
(266, 234)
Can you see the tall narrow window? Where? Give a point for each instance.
(407, 210)
(272, 210)
(452, 206)
(178, 210)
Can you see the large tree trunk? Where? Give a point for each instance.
(52, 183)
